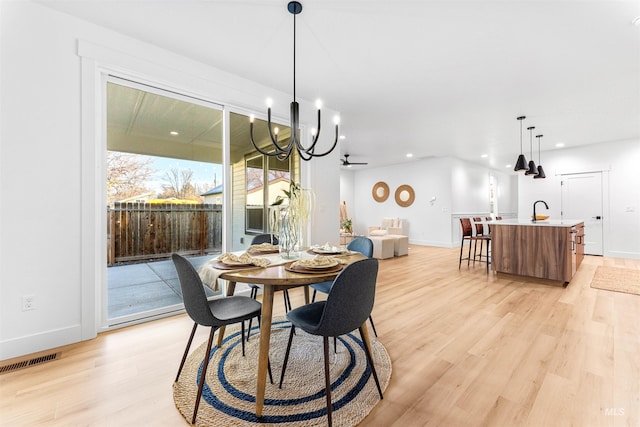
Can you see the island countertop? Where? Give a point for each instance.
(539, 223)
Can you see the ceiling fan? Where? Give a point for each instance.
(347, 163)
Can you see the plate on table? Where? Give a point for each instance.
(224, 266)
(263, 249)
(300, 269)
(326, 251)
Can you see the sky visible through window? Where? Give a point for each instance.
(203, 173)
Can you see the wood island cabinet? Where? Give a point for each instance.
(549, 250)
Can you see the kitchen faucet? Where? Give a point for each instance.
(534, 208)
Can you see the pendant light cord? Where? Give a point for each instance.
(294, 57)
(520, 136)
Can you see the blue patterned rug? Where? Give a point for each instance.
(229, 391)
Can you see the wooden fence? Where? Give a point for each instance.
(143, 231)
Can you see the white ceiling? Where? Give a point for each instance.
(434, 78)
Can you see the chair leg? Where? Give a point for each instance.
(469, 256)
(254, 295)
(475, 251)
(204, 374)
(373, 326)
(335, 345)
(286, 356)
(313, 297)
(460, 261)
(370, 360)
(287, 301)
(186, 350)
(327, 377)
(242, 336)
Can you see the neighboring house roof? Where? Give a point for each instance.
(143, 196)
(214, 190)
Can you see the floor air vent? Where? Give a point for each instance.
(29, 362)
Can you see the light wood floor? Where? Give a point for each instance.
(467, 349)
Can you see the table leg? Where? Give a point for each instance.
(265, 337)
(365, 336)
(231, 288)
(306, 294)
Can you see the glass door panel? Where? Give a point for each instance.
(257, 179)
(164, 195)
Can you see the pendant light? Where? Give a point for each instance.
(521, 164)
(541, 174)
(532, 165)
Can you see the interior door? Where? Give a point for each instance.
(582, 199)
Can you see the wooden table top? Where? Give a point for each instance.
(278, 275)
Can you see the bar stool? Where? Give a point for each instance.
(482, 238)
(467, 235)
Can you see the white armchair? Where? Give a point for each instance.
(389, 239)
(389, 226)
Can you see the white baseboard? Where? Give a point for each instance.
(620, 254)
(432, 243)
(46, 340)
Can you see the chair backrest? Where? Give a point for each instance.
(264, 238)
(363, 245)
(350, 300)
(479, 226)
(193, 294)
(465, 223)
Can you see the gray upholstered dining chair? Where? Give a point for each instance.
(363, 245)
(346, 309)
(214, 314)
(266, 238)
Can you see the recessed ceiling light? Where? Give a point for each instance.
(636, 21)
(409, 155)
(507, 166)
(173, 132)
(484, 156)
(342, 137)
(560, 144)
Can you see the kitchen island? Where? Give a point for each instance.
(550, 249)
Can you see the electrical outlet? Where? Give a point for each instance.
(28, 302)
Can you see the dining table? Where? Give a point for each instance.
(278, 276)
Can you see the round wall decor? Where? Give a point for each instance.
(380, 191)
(405, 196)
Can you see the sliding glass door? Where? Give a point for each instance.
(164, 194)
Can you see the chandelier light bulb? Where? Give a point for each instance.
(276, 130)
(313, 131)
(252, 118)
(318, 104)
(336, 120)
(269, 102)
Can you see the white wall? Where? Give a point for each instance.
(50, 145)
(347, 180)
(427, 223)
(619, 162)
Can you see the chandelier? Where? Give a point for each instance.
(282, 150)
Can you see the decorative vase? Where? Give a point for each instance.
(289, 233)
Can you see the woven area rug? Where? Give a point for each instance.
(617, 279)
(230, 386)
